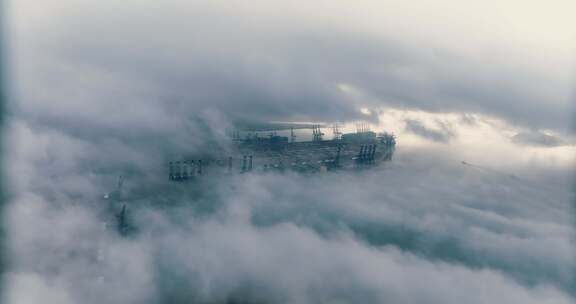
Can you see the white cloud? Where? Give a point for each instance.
(102, 89)
(284, 59)
(423, 228)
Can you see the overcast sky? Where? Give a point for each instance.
(476, 206)
(291, 59)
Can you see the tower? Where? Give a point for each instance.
(336, 132)
(317, 133)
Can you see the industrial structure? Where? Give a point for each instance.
(253, 151)
(264, 151)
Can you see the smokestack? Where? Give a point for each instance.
(244, 163)
(230, 164)
(199, 167)
(250, 163)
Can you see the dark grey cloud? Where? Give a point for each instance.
(443, 134)
(536, 138)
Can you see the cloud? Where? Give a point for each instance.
(267, 246)
(106, 89)
(442, 135)
(537, 139)
(423, 218)
(254, 60)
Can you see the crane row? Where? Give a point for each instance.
(275, 153)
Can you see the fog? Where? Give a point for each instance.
(476, 205)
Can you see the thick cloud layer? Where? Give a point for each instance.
(441, 135)
(300, 60)
(537, 138)
(466, 212)
(423, 228)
